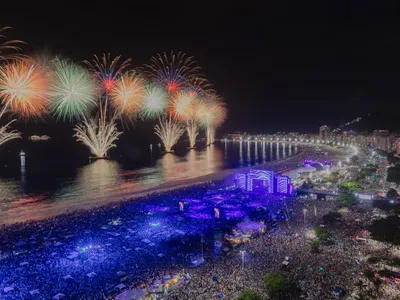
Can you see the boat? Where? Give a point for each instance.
(39, 138)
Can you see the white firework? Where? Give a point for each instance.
(155, 102)
(210, 135)
(73, 90)
(6, 135)
(99, 137)
(192, 128)
(169, 131)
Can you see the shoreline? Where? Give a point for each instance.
(8, 219)
(14, 217)
(122, 239)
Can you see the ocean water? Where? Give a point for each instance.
(51, 183)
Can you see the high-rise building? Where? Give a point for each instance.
(381, 139)
(324, 132)
(397, 147)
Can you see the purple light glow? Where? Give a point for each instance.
(219, 198)
(240, 181)
(291, 189)
(249, 226)
(231, 206)
(144, 229)
(157, 208)
(200, 216)
(255, 204)
(263, 181)
(282, 184)
(267, 178)
(233, 214)
(198, 207)
(191, 200)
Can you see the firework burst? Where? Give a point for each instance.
(101, 133)
(182, 106)
(186, 107)
(155, 102)
(6, 135)
(192, 128)
(24, 88)
(199, 87)
(127, 96)
(8, 45)
(99, 137)
(169, 131)
(73, 90)
(172, 71)
(108, 70)
(212, 113)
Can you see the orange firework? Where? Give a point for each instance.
(107, 70)
(24, 88)
(9, 45)
(183, 105)
(212, 113)
(127, 96)
(172, 86)
(199, 87)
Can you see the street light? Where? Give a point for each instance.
(304, 213)
(242, 252)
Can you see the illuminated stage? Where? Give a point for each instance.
(264, 181)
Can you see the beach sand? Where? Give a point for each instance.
(51, 209)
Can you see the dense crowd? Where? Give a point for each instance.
(316, 275)
(37, 258)
(97, 253)
(89, 253)
(104, 241)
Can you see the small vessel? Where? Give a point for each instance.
(39, 138)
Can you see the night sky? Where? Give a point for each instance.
(279, 67)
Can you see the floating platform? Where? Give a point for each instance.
(165, 152)
(97, 158)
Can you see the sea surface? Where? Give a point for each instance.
(49, 183)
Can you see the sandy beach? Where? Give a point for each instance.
(44, 210)
(144, 234)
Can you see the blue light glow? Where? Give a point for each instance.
(84, 249)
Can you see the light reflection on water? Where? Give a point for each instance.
(93, 179)
(105, 178)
